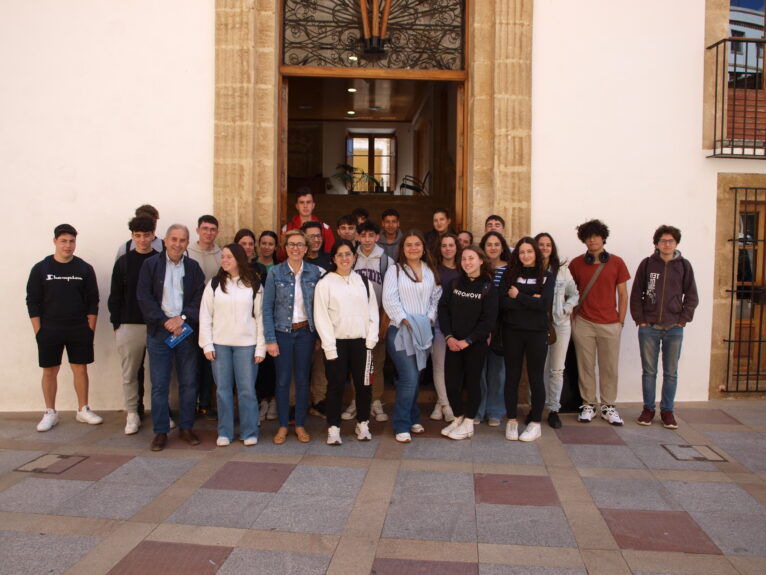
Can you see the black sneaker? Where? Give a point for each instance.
(208, 413)
(553, 420)
(318, 409)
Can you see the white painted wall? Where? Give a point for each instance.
(617, 124)
(103, 106)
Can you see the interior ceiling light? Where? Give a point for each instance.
(351, 112)
(374, 108)
(351, 90)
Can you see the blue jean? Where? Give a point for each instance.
(160, 367)
(406, 410)
(235, 363)
(295, 351)
(492, 384)
(650, 341)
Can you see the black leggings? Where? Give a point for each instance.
(352, 357)
(518, 344)
(463, 369)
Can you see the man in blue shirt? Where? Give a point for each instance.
(169, 292)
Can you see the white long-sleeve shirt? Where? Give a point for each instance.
(402, 296)
(342, 310)
(232, 318)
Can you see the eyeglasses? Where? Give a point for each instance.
(314, 236)
(293, 245)
(671, 241)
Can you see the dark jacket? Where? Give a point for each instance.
(526, 312)
(123, 305)
(151, 283)
(664, 293)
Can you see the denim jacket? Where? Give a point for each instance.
(279, 294)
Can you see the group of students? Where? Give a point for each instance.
(478, 311)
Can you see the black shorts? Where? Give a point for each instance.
(51, 341)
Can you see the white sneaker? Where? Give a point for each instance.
(477, 420)
(531, 433)
(453, 424)
(462, 431)
(132, 423)
(222, 441)
(403, 437)
(172, 424)
(417, 428)
(350, 412)
(262, 409)
(251, 441)
(85, 415)
(447, 412)
(363, 431)
(512, 430)
(586, 413)
(271, 414)
(493, 422)
(333, 435)
(49, 420)
(377, 411)
(436, 414)
(609, 412)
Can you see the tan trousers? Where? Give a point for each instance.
(597, 342)
(131, 345)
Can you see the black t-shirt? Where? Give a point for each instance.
(63, 294)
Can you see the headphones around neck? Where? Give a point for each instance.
(603, 257)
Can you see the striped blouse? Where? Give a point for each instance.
(402, 296)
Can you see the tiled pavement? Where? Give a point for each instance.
(586, 499)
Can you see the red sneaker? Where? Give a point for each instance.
(646, 417)
(668, 420)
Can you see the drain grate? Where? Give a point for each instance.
(693, 453)
(51, 463)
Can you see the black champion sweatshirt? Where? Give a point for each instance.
(62, 294)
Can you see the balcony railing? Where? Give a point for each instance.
(740, 99)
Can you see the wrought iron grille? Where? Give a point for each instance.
(422, 35)
(746, 368)
(740, 99)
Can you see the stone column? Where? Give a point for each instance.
(245, 115)
(500, 116)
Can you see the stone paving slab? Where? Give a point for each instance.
(221, 508)
(47, 553)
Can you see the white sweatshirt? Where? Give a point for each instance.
(227, 318)
(342, 310)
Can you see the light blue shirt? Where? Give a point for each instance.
(173, 288)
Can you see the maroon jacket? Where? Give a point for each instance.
(664, 292)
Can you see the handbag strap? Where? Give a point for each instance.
(590, 284)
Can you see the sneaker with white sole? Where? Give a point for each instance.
(512, 430)
(49, 421)
(377, 411)
(453, 424)
(362, 431)
(447, 413)
(132, 423)
(403, 437)
(350, 412)
(586, 413)
(172, 424)
(436, 414)
(532, 432)
(462, 431)
(333, 435)
(271, 414)
(222, 441)
(417, 428)
(85, 415)
(609, 412)
(493, 422)
(262, 409)
(250, 441)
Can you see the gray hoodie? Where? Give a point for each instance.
(391, 248)
(210, 261)
(374, 268)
